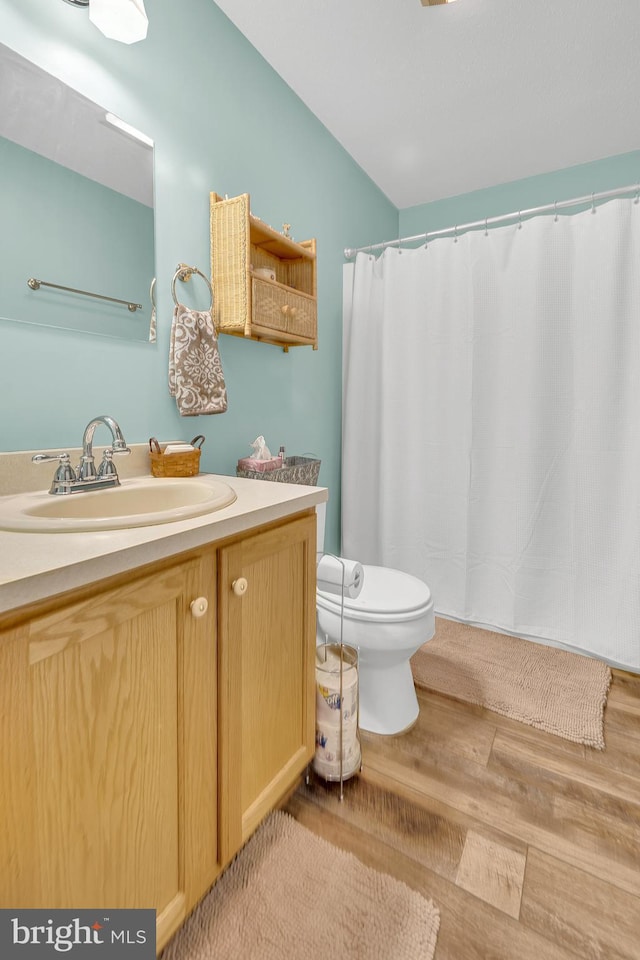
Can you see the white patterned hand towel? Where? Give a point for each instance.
(195, 371)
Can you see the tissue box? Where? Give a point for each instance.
(260, 466)
(303, 470)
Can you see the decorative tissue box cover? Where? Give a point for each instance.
(260, 466)
(303, 470)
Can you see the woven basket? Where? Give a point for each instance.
(303, 470)
(281, 310)
(185, 464)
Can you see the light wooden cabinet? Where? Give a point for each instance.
(267, 672)
(109, 749)
(264, 283)
(148, 725)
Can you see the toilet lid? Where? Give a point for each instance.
(386, 593)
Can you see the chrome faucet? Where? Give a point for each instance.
(86, 477)
(86, 469)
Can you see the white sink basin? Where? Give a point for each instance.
(138, 502)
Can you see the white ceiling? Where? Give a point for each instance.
(437, 101)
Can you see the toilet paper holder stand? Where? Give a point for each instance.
(347, 655)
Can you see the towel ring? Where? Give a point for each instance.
(184, 273)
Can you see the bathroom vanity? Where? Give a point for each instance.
(157, 700)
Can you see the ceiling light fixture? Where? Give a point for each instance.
(123, 20)
(425, 3)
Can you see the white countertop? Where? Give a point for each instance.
(34, 566)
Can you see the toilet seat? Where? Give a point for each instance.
(386, 595)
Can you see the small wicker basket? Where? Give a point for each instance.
(185, 464)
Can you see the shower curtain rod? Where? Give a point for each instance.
(491, 221)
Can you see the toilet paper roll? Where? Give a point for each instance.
(330, 750)
(331, 574)
(330, 705)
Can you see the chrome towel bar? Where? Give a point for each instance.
(36, 284)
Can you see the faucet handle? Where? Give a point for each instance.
(107, 468)
(65, 470)
(64, 474)
(45, 457)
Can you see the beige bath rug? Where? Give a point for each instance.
(561, 692)
(290, 894)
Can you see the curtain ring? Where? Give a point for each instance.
(455, 233)
(426, 239)
(637, 196)
(555, 210)
(399, 242)
(593, 204)
(486, 232)
(519, 220)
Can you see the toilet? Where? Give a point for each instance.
(390, 619)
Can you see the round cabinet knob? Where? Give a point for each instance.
(199, 607)
(284, 309)
(240, 586)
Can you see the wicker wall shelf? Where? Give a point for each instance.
(280, 308)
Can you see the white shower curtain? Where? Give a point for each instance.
(491, 425)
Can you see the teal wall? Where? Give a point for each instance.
(578, 181)
(221, 120)
(70, 230)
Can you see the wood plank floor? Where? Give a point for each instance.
(528, 844)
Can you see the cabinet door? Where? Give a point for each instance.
(108, 767)
(267, 687)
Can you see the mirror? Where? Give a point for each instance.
(76, 194)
